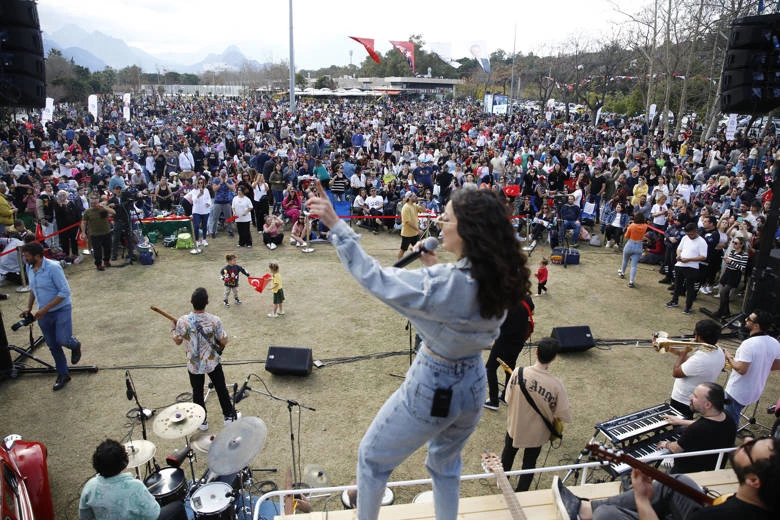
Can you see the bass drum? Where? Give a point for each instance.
(213, 501)
(167, 485)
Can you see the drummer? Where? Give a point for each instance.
(113, 495)
(204, 338)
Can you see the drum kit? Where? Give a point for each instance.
(218, 495)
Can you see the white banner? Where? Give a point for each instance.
(47, 114)
(92, 105)
(731, 127)
(126, 98)
(126, 113)
(653, 108)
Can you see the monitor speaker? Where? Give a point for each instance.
(289, 361)
(574, 339)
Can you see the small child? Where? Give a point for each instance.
(276, 286)
(541, 275)
(230, 276)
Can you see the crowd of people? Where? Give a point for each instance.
(696, 209)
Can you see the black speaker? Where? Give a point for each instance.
(750, 82)
(22, 67)
(574, 339)
(289, 361)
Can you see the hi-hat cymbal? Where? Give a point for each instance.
(139, 452)
(201, 442)
(237, 445)
(178, 420)
(315, 476)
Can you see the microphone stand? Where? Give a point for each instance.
(290, 404)
(142, 415)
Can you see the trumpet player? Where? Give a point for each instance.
(692, 369)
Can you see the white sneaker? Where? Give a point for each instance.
(269, 246)
(621, 274)
(205, 244)
(196, 251)
(273, 315)
(229, 420)
(305, 244)
(273, 246)
(204, 426)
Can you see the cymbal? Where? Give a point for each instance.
(139, 452)
(237, 445)
(315, 476)
(178, 420)
(201, 442)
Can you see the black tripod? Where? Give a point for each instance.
(16, 367)
(561, 227)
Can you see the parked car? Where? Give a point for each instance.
(24, 482)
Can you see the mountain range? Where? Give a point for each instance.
(96, 50)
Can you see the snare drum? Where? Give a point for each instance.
(387, 499)
(167, 485)
(213, 501)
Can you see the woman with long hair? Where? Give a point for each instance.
(457, 309)
(261, 193)
(633, 249)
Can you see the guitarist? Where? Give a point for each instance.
(525, 426)
(757, 466)
(204, 340)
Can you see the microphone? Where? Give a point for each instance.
(240, 395)
(428, 245)
(129, 386)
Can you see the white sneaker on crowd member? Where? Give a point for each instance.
(292, 242)
(273, 246)
(205, 244)
(273, 315)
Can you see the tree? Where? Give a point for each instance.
(325, 82)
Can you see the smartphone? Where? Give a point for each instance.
(442, 398)
(739, 219)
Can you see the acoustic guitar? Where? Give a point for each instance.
(490, 462)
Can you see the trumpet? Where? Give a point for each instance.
(662, 343)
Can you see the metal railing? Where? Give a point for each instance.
(585, 467)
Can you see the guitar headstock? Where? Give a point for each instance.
(491, 462)
(609, 455)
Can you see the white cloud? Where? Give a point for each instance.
(260, 27)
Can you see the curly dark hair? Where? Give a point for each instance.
(497, 260)
(110, 458)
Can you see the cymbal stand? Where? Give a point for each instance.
(290, 404)
(143, 414)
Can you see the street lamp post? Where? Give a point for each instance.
(292, 63)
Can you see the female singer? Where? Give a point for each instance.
(457, 309)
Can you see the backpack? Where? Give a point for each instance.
(530, 329)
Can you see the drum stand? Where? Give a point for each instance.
(290, 404)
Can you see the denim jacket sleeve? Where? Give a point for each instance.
(440, 301)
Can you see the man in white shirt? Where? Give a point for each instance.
(186, 161)
(357, 181)
(701, 367)
(375, 205)
(755, 358)
(690, 253)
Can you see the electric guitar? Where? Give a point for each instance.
(614, 456)
(490, 462)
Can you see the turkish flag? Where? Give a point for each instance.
(259, 282)
(231, 219)
(368, 43)
(39, 233)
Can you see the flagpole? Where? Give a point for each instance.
(512, 84)
(292, 63)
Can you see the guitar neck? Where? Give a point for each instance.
(665, 479)
(509, 496)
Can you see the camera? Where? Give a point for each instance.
(26, 320)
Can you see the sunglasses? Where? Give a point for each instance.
(748, 446)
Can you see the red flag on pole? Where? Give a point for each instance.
(39, 233)
(368, 43)
(259, 282)
(231, 219)
(81, 240)
(407, 49)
